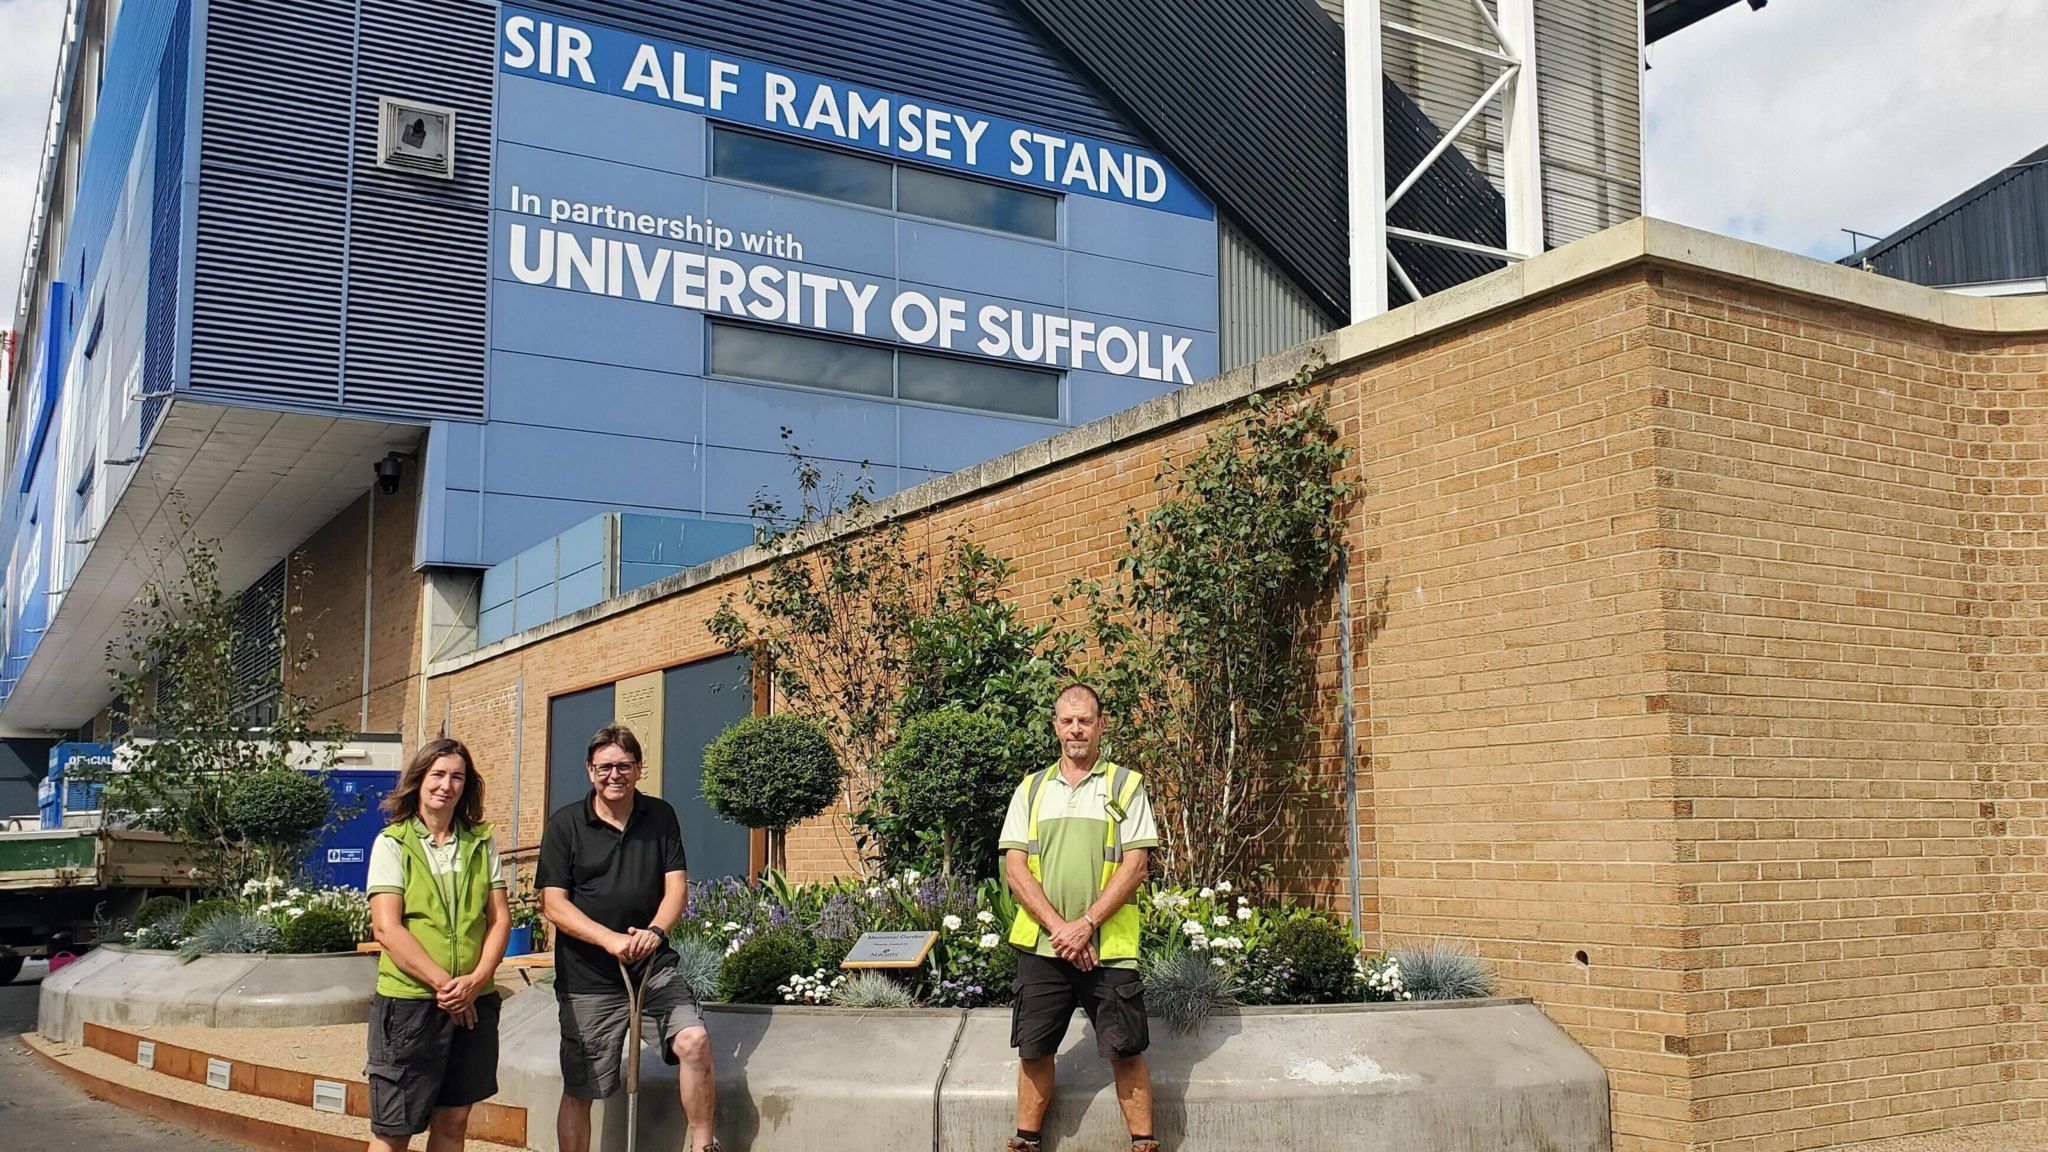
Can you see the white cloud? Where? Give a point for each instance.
(32, 30)
(1788, 124)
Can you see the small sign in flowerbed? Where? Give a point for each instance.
(1204, 948)
(268, 916)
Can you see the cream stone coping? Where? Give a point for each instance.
(1639, 241)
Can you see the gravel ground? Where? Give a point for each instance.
(334, 1050)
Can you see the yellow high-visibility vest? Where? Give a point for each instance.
(1117, 937)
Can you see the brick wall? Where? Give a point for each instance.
(326, 578)
(1700, 647)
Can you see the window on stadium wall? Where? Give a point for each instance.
(674, 712)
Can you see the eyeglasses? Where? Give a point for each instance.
(622, 768)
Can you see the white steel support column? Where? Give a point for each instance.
(1513, 34)
(1522, 159)
(1365, 122)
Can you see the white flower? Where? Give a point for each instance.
(989, 940)
(890, 884)
(912, 877)
(874, 893)
(1192, 927)
(1223, 885)
(1244, 913)
(1207, 893)
(729, 926)
(1244, 900)
(296, 913)
(952, 923)
(985, 917)
(1222, 921)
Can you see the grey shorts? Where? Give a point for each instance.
(595, 1026)
(420, 1061)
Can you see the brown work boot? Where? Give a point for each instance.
(1020, 1144)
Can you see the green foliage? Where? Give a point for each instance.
(160, 908)
(871, 989)
(525, 907)
(232, 932)
(204, 912)
(1443, 971)
(771, 772)
(755, 971)
(943, 789)
(1204, 632)
(697, 964)
(317, 930)
(1185, 987)
(175, 681)
(277, 812)
(1320, 959)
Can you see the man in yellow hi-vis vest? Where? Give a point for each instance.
(1075, 845)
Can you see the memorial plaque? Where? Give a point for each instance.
(890, 950)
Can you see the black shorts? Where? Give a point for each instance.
(1048, 989)
(420, 1061)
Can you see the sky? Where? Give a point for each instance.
(1781, 126)
(1788, 124)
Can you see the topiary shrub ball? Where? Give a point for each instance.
(771, 772)
(1322, 961)
(318, 930)
(276, 806)
(753, 972)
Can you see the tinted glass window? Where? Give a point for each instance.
(758, 354)
(944, 197)
(969, 384)
(818, 171)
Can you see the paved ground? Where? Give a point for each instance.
(40, 1111)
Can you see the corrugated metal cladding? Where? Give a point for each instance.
(319, 279)
(258, 655)
(975, 53)
(1263, 312)
(1994, 232)
(1247, 96)
(1588, 90)
(166, 225)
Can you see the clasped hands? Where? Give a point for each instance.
(633, 945)
(1074, 942)
(457, 997)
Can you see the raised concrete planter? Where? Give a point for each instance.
(133, 987)
(1492, 1075)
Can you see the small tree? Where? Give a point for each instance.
(944, 787)
(192, 741)
(276, 812)
(771, 772)
(1205, 630)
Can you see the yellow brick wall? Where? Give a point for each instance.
(1700, 652)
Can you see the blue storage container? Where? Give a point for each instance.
(63, 791)
(342, 856)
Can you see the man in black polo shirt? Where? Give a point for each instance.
(612, 882)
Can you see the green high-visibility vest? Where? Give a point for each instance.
(452, 933)
(1117, 938)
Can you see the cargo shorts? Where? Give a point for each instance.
(595, 1026)
(1048, 991)
(420, 1060)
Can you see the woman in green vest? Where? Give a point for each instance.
(438, 906)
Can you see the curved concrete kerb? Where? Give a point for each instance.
(1492, 1074)
(134, 987)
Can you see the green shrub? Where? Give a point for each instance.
(697, 964)
(160, 909)
(1443, 971)
(771, 772)
(753, 972)
(1318, 958)
(232, 932)
(205, 910)
(1185, 987)
(277, 810)
(318, 930)
(872, 989)
(944, 786)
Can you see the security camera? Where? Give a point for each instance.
(389, 471)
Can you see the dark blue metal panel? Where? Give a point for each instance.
(166, 224)
(977, 53)
(1996, 231)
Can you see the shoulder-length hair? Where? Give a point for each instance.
(403, 803)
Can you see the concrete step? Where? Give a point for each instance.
(249, 1118)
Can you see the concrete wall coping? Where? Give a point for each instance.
(1639, 241)
(137, 987)
(1494, 1074)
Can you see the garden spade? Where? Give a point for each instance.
(636, 995)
